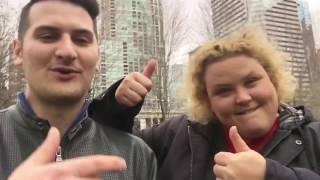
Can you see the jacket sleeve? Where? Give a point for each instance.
(105, 110)
(277, 171)
(149, 166)
(160, 137)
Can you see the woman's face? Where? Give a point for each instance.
(241, 93)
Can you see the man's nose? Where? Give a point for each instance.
(66, 49)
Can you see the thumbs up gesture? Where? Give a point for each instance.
(40, 165)
(245, 164)
(135, 86)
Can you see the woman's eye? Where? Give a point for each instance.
(222, 92)
(252, 81)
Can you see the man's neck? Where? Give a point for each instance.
(59, 116)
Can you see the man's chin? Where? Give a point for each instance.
(66, 98)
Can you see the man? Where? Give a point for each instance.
(57, 49)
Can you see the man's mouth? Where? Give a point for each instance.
(65, 70)
(65, 73)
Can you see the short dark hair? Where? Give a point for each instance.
(91, 6)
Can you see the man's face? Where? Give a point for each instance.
(59, 52)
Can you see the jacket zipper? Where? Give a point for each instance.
(191, 160)
(59, 155)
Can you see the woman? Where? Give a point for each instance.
(237, 126)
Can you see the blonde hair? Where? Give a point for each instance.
(249, 42)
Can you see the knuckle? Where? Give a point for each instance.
(217, 156)
(139, 99)
(215, 169)
(126, 80)
(56, 174)
(144, 93)
(148, 85)
(135, 74)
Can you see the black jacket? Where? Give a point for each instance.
(185, 149)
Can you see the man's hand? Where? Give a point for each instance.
(135, 86)
(242, 165)
(41, 166)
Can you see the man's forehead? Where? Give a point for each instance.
(46, 0)
(59, 13)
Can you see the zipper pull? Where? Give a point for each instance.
(58, 155)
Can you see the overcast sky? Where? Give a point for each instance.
(314, 6)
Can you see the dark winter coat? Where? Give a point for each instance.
(185, 149)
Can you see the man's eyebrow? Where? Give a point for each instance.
(46, 28)
(83, 31)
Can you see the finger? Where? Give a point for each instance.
(86, 178)
(142, 80)
(94, 165)
(150, 68)
(130, 93)
(124, 101)
(223, 158)
(220, 171)
(238, 143)
(139, 88)
(46, 152)
(133, 97)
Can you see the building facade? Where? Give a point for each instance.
(131, 32)
(309, 44)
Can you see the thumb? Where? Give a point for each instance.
(46, 152)
(150, 68)
(238, 143)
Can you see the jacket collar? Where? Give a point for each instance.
(24, 106)
(293, 117)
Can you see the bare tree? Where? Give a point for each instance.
(174, 34)
(5, 38)
(315, 101)
(203, 29)
(315, 98)
(11, 78)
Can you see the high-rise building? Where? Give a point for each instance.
(280, 21)
(309, 43)
(131, 32)
(228, 16)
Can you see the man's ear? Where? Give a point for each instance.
(17, 50)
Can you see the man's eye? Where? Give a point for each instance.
(82, 40)
(47, 37)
